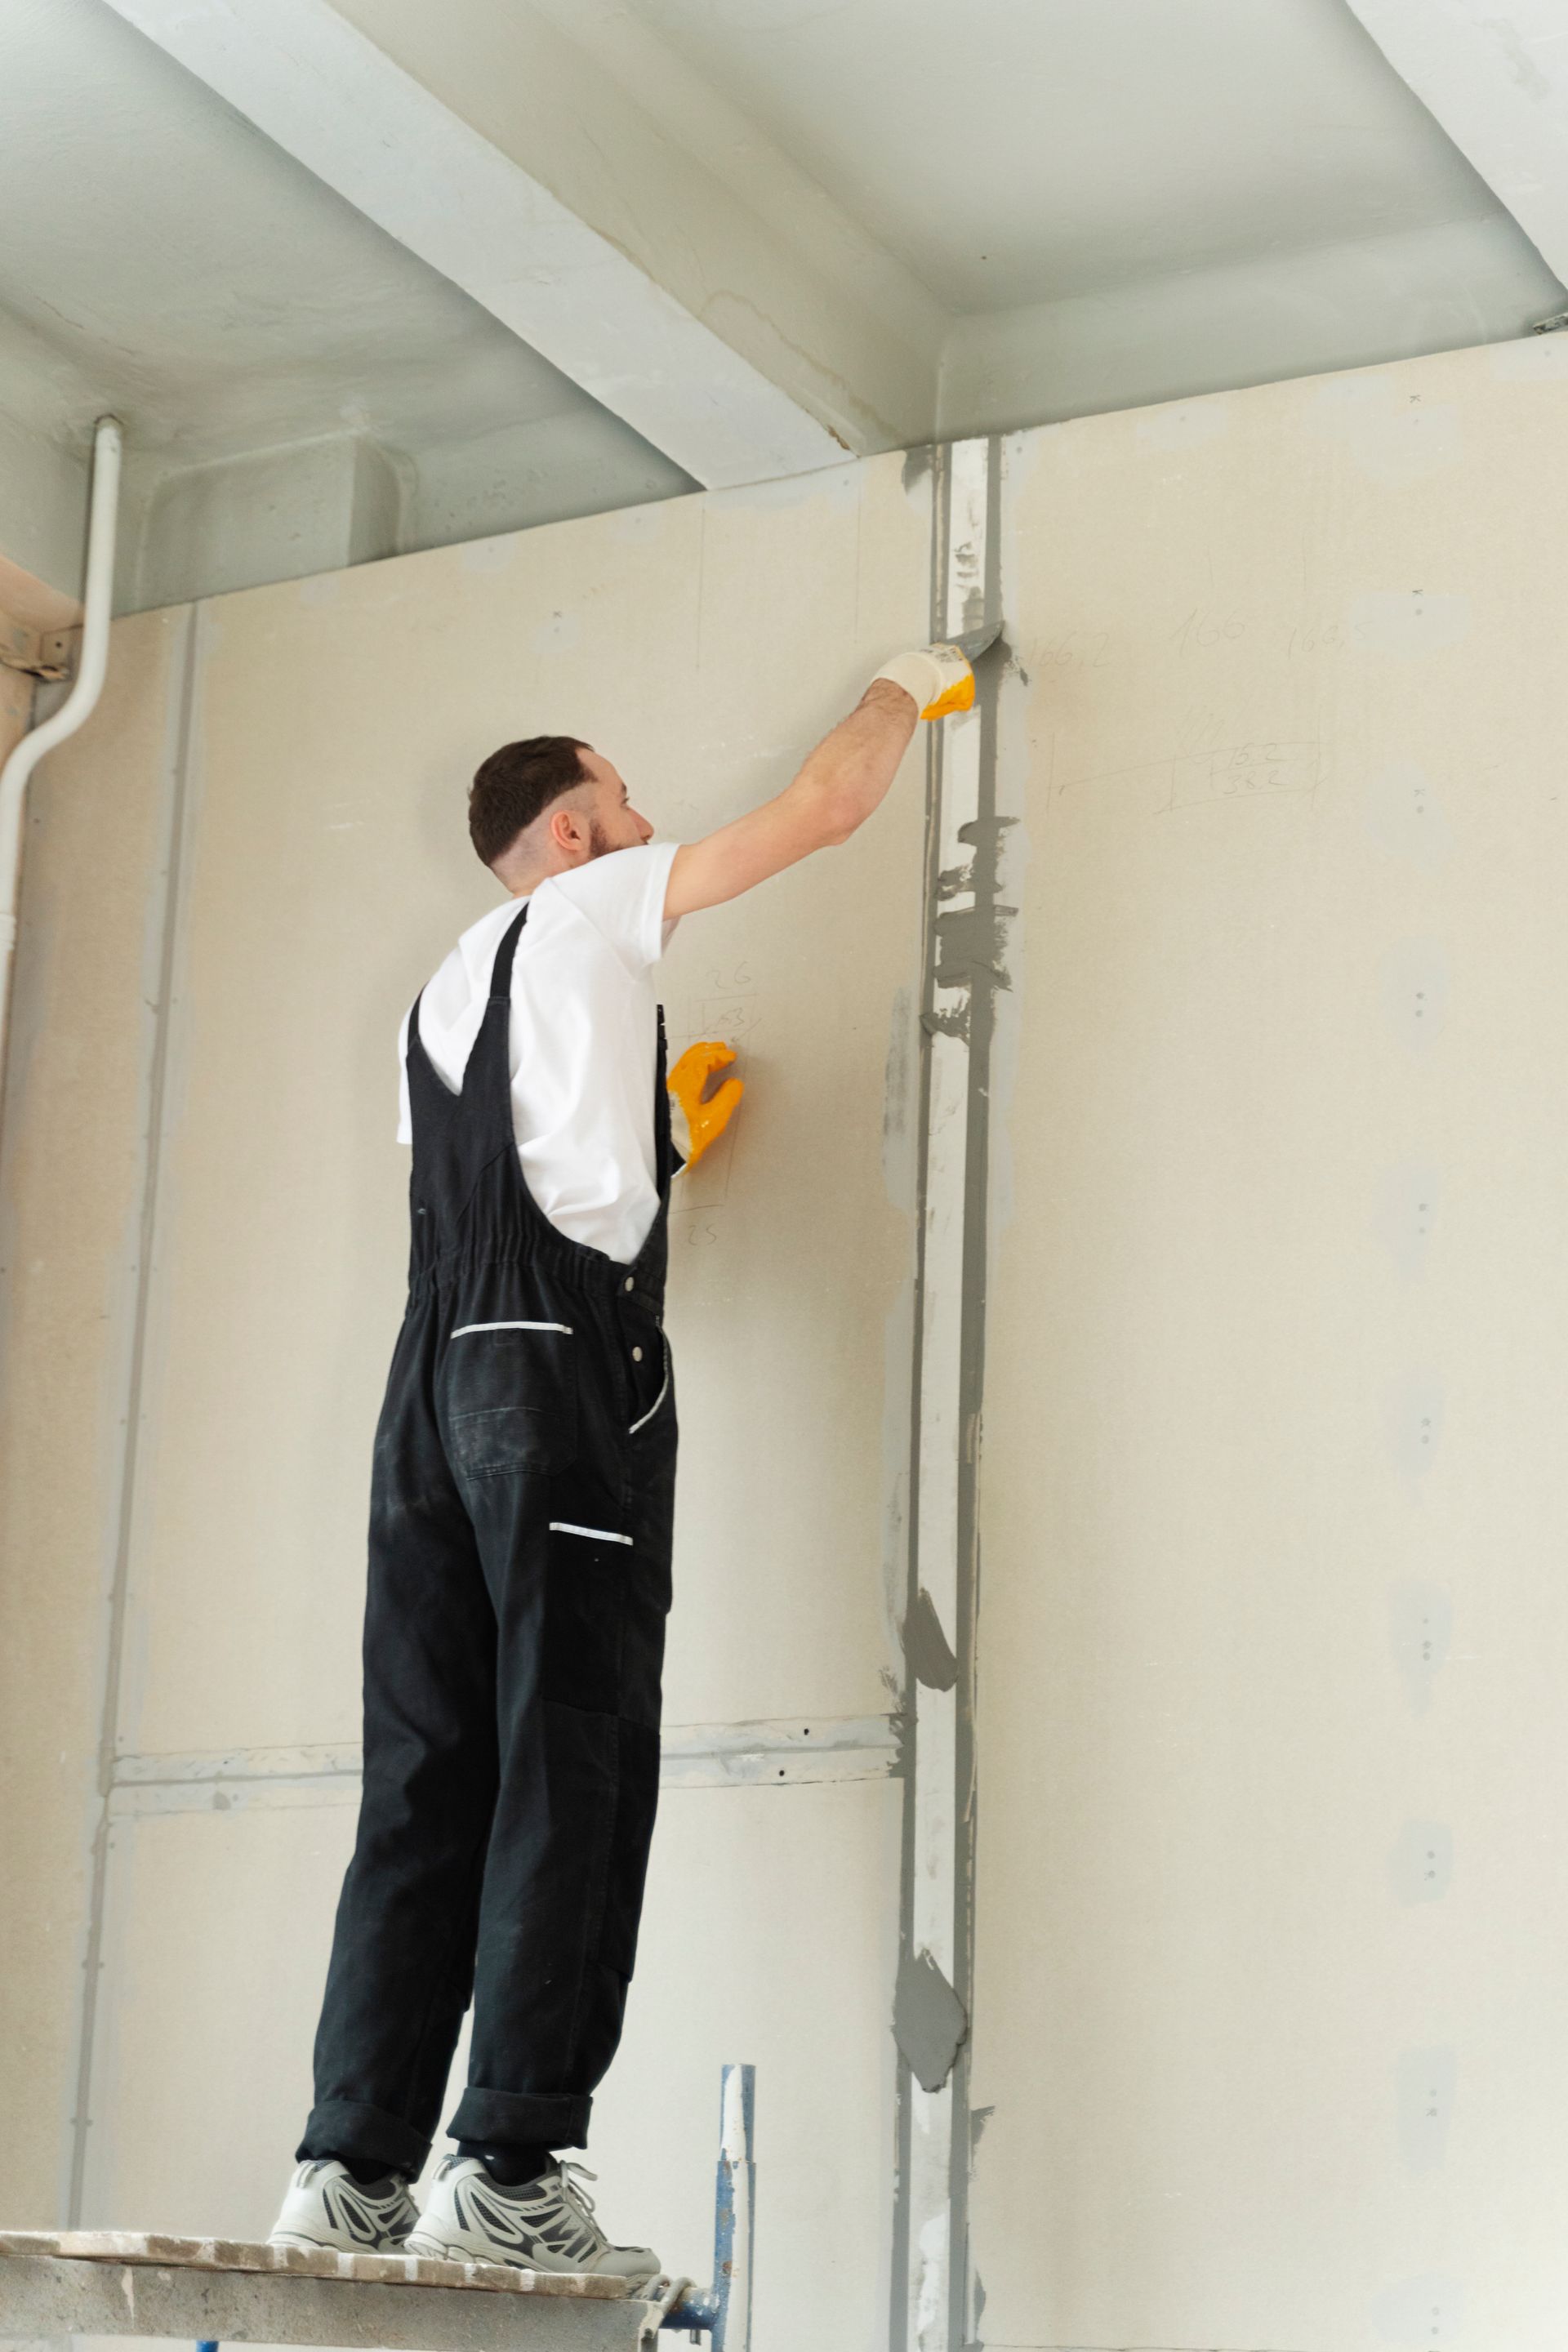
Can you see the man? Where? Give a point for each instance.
(521, 1504)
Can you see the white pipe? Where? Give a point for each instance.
(108, 440)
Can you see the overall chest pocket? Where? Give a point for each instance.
(510, 1398)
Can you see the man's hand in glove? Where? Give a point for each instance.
(695, 1122)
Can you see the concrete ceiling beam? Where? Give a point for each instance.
(1494, 73)
(484, 142)
(1255, 321)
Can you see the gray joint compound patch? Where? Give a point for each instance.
(920, 464)
(930, 2021)
(974, 939)
(971, 940)
(926, 1647)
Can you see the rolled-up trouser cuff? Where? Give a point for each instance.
(525, 2118)
(351, 2131)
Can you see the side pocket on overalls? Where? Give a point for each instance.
(588, 1559)
(648, 1383)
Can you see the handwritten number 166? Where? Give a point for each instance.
(1202, 628)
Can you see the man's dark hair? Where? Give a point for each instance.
(516, 784)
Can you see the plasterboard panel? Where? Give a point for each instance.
(767, 1938)
(703, 643)
(75, 1117)
(1272, 1895)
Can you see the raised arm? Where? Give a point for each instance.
(845, 778)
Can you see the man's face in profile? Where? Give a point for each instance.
(613, 822)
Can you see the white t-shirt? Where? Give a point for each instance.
(584, 1039)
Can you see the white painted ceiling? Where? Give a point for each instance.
(1014, 152)
(167, 260)
(1034, 207)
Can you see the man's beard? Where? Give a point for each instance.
(599, 841)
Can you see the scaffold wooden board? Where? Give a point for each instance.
(127, 2282)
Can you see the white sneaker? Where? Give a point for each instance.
(545, 2225)
(325, 2206)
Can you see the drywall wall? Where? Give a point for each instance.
(1267, 2038)
(1270, 2011)
(312, 816)
(73, 1129)
(337, 726)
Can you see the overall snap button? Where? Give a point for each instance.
(629, 1283)
(637, 1355)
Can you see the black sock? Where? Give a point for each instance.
(366, 2175)
(508, 2164)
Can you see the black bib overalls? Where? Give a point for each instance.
(522, 1502)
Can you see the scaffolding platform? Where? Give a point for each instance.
(55, 2283)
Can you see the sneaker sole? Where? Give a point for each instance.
(425, 2243)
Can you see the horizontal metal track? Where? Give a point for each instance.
(784, 1752)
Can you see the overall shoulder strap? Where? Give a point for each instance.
(666, 1161)
(487, 1079)
(501, 971)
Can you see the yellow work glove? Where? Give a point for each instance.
(939, 676)
(693, 1123)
